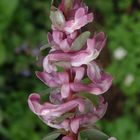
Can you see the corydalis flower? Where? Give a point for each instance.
(51, 113)
(100, 81)
(71, 107)
(76, 17)
(85, 55)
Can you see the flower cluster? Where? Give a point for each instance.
(71, 72)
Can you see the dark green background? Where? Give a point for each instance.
(23, 29)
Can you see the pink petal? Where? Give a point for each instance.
(34, 107)
(81, 22)
(57, 36)
(59, 56)
(96, 44)
(79, 13)
(64, 45)
(77, 4)
(50, 79)
(75, 59)
(100, 79)
(55, 97)
(90, 17)
(65, 91)
(49, 110)
(92, 88)
(47, 66)
(101, 109)
(61, 6)
(73, 35)
(79, 73)
(90, 117)
(101, 40)
(93, 71)
(63, 77)
(50, 38)
(80, 59)
(75, 125)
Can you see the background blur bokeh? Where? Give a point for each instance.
(23, 30)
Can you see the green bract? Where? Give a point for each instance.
(57, 18)
(92, 134)
(52, 136)
(80, 41)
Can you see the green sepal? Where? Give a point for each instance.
(44, 47)
(86, 81)
(53, 136)
(55, 3)
(80, 41)
(57, 18)
(92, 134)
(60, 69)
(63, 117)
(93, 98)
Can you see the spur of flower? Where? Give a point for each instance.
(76, 81)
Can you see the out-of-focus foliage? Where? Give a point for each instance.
(23, 29)
(121, 21)
(128, 31)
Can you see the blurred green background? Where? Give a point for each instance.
(23, 30)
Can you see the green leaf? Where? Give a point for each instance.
(86, 81)
(68, 5)
(44, 47)
(60, 69)
(93, 98)
(80, 41)
(56, 3)
(63, 117)
(92, 134)
(53, 136)
(2, 54)
(6, 9)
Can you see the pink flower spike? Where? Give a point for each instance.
(70, 71)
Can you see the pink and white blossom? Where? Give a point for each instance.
(75, 53)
